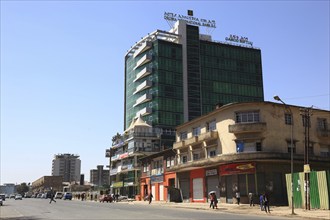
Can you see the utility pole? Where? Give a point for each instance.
(306, 114)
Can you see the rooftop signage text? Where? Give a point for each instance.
(235, 38)
(189, 19)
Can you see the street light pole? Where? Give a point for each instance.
(277, 98)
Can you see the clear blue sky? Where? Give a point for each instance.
(62, 68)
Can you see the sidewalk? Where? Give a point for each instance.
(245, 209)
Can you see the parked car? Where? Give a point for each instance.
(67, 195)
(106, 198)
(18, 197)
(12, 196)
(58, 195)
(3, 197)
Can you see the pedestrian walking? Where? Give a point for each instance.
(215, 201)
(211, 200)
(261, 201)
(238, 197)
(150, 197)
(266, 203)
(52, 195)
(251, 199)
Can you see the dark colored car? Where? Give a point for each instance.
(67, 195)
(106, 198)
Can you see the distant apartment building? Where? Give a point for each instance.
(68, 166)
(8, 188)
(99, 176)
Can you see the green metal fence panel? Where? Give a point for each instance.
(314, 190)
(298, 189)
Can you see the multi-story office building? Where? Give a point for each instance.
(68, 166)
(99, 176)
(174, 76)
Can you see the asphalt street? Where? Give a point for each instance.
(36, 209)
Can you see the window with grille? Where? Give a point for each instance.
(196, 131)
(183, 136)
(184, 159)
(293, 146)
(288, 119)
(322, 124)
(247, 117)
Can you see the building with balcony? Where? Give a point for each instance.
(68, 166)
(246, 147)
(138, 140)
(99, 176)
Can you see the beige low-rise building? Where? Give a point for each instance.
(47, 183)
(246, 147)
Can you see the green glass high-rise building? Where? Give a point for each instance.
(174, 76)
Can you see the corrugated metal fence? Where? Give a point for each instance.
(319, 189)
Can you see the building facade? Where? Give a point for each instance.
(139, 140)
(155, 179)
(47, 183)
(172, 77)
(8, 188)
(99, 176)
(245, 147)
(68, 166)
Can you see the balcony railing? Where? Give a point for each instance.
(145, 46)
(211, 135)
(143, 73)
(144, 111)
(178, 145)
(208, 136)
(142, 99)
(144, 59)
(144, 85)
(247, 127)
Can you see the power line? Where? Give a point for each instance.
(303, 97)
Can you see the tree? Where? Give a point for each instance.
(22, 189)
(116, 138)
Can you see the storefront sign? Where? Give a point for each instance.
(118, 184)
(235, 38)
(237, 168)
(129, 184)
(123, 155)
(157, 178)
(211, 172)
(189, 19)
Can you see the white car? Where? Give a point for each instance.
(58, 195)
(18, 197)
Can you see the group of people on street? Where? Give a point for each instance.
(263, 199)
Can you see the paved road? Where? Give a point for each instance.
(36, 209)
